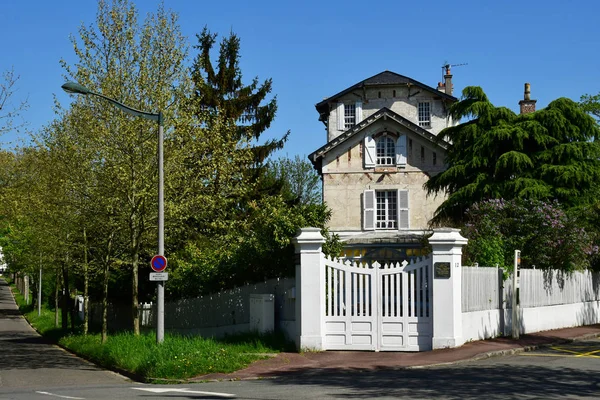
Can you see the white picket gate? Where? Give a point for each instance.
(380, 307)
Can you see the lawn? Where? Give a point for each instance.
(178, 357)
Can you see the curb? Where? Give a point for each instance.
(508, 352)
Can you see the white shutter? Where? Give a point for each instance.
(370, 152)
(358, 112)
(369, 210)
(340, 116)
(401, 151)
(403, 215)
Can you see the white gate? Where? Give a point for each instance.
(379, 307)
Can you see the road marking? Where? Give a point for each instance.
(590, 354)
(166, 390)
(572, 354)
(63, 397)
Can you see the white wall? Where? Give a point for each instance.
(478, 325)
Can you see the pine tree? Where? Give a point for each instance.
(550, 154)
(221, 91)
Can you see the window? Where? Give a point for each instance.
(422, 155)
(349, 115)
(424, 114)
(387, 207)
(434, 158)
(386, 151)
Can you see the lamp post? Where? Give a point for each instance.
(75, 88)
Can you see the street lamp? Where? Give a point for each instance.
(76, 88)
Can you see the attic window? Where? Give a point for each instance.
(349, 115)
(424, 114)
(394, 93)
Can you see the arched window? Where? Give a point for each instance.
(386, 151)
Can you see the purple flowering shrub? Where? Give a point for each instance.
(547, 236)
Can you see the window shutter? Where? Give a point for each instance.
(369, 210)
(401, 151)
(403, 216)
(358, 112)
(370, 152)
(340, 116)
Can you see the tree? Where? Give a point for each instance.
(299, 181)
(139, 65)
(591, 104)
(550, 154)
(9, 109)
(547, 236)
(222, 91)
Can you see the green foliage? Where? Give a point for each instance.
(178, 357)
(546, 155)
(548, 237)
(300, 182)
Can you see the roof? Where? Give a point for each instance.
(382, 78)
(383, 113)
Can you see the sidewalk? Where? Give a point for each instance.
(287, 363)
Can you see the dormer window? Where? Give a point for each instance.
(425, 114)
(386, 150)
(348, 115)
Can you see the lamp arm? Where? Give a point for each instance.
(130, 110)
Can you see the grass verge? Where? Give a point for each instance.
(177, 358)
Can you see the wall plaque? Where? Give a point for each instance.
(441, 270)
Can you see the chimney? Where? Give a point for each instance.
(441, 87)
(448, 81)
(527, 105)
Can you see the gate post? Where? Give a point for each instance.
(447, 246)
(310, 289)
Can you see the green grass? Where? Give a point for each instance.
(178, 357)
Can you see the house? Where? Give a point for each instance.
(381, 148)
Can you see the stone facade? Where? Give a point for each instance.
(405, 103)
(354, 174)
(345, 179)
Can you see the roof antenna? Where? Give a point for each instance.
(446, 68)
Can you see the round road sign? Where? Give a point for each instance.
(158, 263)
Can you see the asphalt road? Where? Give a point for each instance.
(33, 369)
(28, 361)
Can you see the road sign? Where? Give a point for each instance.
(158, 263)
(159, 276)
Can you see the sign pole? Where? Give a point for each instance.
(515, 295)
(160, 320)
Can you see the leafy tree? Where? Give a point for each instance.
(550, 154)
(299, 180)
(548, 237)
(591, 104)
(139, 65)
(9, 109)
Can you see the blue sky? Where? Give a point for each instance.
(314, 49)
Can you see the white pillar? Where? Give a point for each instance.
(310, 289)
(447, 246)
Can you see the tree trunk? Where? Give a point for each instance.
(105, 290)
(56, 294)
(65, 298)
(135, 258)
(105, 302)
(85, 284)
